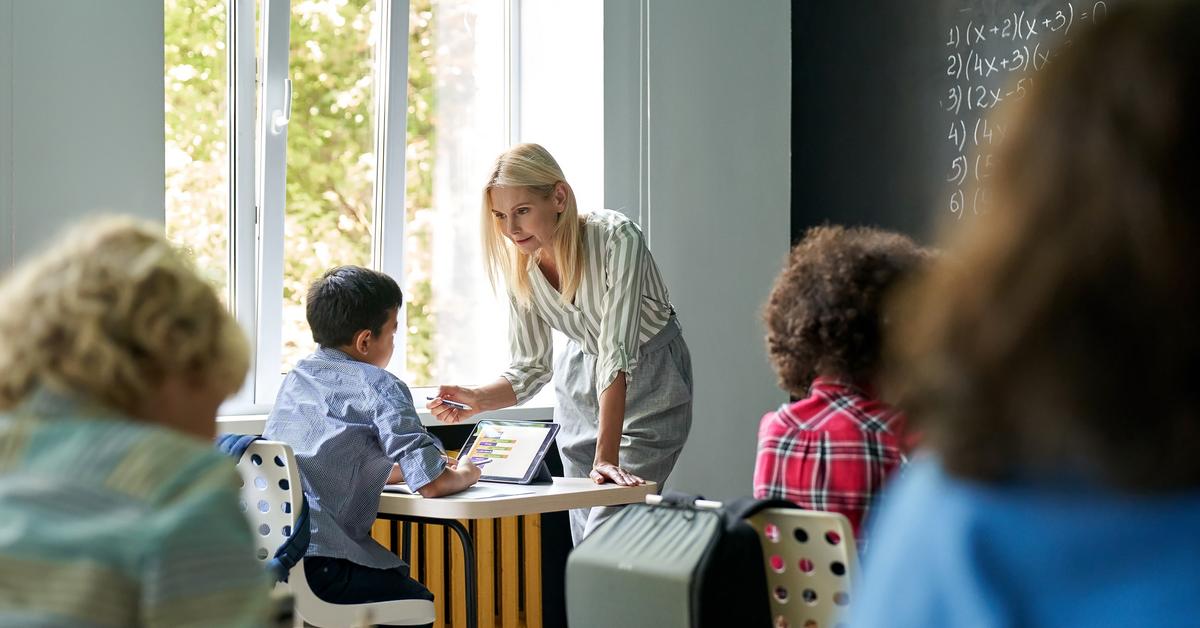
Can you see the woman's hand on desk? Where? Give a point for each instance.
(447, 414)
(608, 472)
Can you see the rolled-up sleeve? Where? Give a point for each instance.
(531, 346)
(405, 440)
(620, 316)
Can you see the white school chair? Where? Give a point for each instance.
(271, 497)
(811, 563)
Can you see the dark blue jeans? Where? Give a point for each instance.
(340, 581)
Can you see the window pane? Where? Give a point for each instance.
(568, 61)
(456, 328)
(197, 152)
(330, 154)
(556, 60)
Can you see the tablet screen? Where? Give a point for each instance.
(513, 449)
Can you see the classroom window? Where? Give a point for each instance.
(197, 134)
(329, 208)
(365, 141)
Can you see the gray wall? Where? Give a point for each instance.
(6, 147)
(81, 116)
(713, 174)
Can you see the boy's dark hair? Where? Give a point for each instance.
(824, 315)
(348, 299)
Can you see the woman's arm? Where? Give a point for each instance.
(531, 346)
(493, 396)
(620, 320)
(607, 465)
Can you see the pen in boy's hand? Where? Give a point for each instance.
(452, 404)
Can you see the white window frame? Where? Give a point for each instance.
(257, 162)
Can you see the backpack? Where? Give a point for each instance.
(673, 564)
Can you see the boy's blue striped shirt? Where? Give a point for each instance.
(347, 422)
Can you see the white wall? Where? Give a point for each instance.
(710, 163)
(81, 116)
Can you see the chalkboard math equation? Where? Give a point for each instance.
(992, 57)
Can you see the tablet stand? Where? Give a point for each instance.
(543, 475)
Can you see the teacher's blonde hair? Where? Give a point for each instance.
(108, 313)
(531, 166)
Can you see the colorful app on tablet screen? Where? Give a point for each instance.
(513, 450)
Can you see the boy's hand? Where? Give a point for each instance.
(469, 471)
(396, 476)
(447, 414)
(451, 463)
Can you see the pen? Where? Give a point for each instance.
(452, 404)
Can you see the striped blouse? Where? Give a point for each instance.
(110, 522)
(622, 302)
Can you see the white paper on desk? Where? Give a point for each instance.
(479, 491)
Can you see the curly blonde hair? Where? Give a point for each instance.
(110, 312)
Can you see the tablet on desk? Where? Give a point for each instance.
(515, 451)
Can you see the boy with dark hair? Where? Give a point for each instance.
(353, 428)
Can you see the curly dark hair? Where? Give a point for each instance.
(1064, 339)
(824, 315)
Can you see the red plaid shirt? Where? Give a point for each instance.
(832, 451)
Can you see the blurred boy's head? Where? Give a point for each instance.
(824, 314)
(355, 309)
(114, 315)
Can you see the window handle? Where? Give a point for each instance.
(280, 118)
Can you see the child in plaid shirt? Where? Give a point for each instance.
(834, 448)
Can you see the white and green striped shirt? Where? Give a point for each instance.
(621, 304)
(105, 521)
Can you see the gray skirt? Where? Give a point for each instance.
(658, 415)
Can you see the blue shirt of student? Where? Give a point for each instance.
(347, 422)
(952, 552)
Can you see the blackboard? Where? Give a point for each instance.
(891, 102)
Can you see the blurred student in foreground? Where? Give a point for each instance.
(1050, 361)
(115, 509)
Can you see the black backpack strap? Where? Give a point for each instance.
(672, 497)
(234, 445)
(745, 507)
(294, 548)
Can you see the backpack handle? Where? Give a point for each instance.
(680, 499)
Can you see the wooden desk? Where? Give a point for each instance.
(563, 494)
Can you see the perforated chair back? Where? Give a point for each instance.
(271, 494)
(811, 562)
(271, 497)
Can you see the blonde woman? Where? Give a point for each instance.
(624, 385)
(115, 509)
